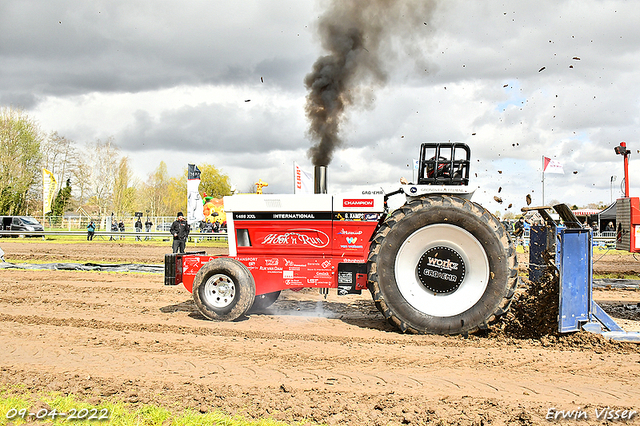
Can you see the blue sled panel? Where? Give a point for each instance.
(604, 318)
(575, 279)
(537, 249)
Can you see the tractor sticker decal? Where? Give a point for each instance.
(351, 202)
(283, 216)
(363, 217)
(271, 262)
(244, 216)
(343, 232)
(304, 237)
(271, 269)
(349, 216)
(441, 270)
(294, 216)
(345, 277)
(190, 265)
(350, 241)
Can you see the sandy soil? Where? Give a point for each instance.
(334, 360)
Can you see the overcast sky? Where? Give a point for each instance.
(222, 82)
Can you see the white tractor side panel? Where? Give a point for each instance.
(231, 236)
(278, 202)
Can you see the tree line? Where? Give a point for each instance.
(100, 183)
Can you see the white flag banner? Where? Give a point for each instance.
(552, 166)
(49, 185)
(195, 211)
(303, 181)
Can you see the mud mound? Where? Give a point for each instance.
(534, 315)
(534, 310)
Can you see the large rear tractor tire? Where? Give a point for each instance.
(442, 265)
(224, 289)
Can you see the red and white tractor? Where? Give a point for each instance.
(440, 263)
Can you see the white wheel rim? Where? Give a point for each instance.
(470, 250)
(219, 291)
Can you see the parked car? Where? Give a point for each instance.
(20, 223)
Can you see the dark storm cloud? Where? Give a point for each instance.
(214, 129)
(21, 100)
(66, 48)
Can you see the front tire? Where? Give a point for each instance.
(442, 265)
(224, 289)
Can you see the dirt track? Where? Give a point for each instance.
(127, 336)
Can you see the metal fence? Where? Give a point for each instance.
(604, 238)
(103, 223)
(194, 237)
(77, 225)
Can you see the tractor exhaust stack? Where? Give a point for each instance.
(320, 180)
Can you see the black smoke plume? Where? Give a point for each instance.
(362, 38)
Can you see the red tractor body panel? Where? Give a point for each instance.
(274, 273)
(628, 224)
(293, 242)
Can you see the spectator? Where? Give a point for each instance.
(147, 227)
(121, 227)
(180, 231)
(610, 227)
(138, 226)
(114, 228)
(518, 227)
(91, 230)
(518, 230)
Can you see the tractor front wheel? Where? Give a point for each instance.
(224, 289)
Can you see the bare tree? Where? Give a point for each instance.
(124, 188)
(153, 192)
(59, 156)
(81, 175)
(104, 166)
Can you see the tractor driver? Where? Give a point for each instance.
(180, 231)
